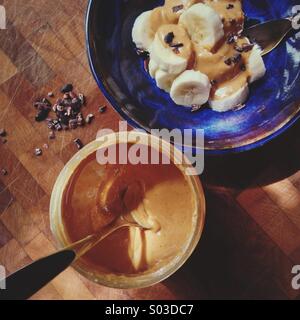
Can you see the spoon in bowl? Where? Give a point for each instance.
(269, 35)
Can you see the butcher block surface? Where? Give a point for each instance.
(251, 239)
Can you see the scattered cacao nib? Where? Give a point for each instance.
(4, 141)
(46, 102)
(247, 47)
(42, 115)
(67, 96)
(142, 53)
(39, 105)
(237, 58)
(50, 124)
(67, 102)
(51, 135)
(64, 119)
(80, 120)
(228, 61)
(67, 110)
(232, 21)
(82, 99)
(169, 38)
(58, 127)
(213, 82)
(73, 124)
(67, 88)
(78, 144)
(59, 101)
(177, 45)
(4, 172)
(2, 132)
(50, 94)
(59, 108)
(177, 8)
(76, 104)
(89, 118)
(238, 49)
(102, 109)
(38, 152)
(44, 107)
(230, 6)
(73, 95)
(196, 108)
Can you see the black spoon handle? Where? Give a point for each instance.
(26, 282)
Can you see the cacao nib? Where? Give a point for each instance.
(102, 109)
(177, 8)
(38, 152)
(169, 38)
(67, 88)
(2, 132)
(78, 144)
(42, 115)
(237, 58)
(90, 117)
(247, 47)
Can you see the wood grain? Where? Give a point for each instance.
(252, 234)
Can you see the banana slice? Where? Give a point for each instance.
(142, 34)
(256, 65)
(203, 24)
(168, 58)
(153, 67)
(224, 101)
(164, 80)
(172, 9)
(190, 88)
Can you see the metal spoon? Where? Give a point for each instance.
(268, 35)
(81, 247)
(29, 280)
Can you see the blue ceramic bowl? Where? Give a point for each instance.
(273, 106)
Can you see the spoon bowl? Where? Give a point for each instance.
(263, 34)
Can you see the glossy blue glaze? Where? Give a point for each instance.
(273, 105)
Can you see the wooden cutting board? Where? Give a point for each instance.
(252, 234)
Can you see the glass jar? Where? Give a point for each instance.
(150, 277)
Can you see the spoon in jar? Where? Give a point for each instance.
(26, 282)
(29, 280)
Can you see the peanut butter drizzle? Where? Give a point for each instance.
(212, 63)
(233, 19)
